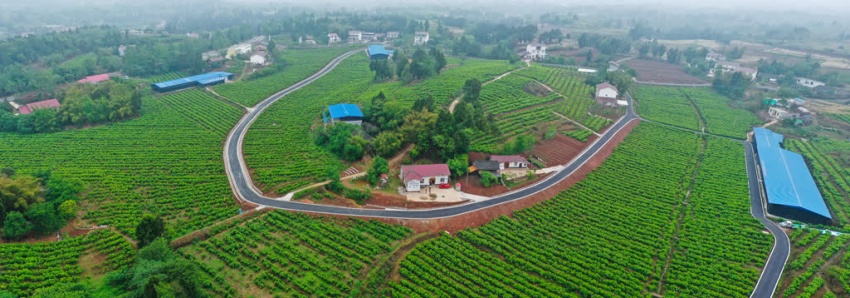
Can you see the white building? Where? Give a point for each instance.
(416, 176)
(421, 38)
(510, 161)
(392, 35)
(369, 36)
(606, 94)
(779, 113)
(732, 67)
(355, 36)
(535, 51)
(333, 38)
(258, 59)
(239, 49)
(809, 83)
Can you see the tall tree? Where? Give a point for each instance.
(15, 225)
(149, 229)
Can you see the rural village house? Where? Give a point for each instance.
(416, 176)
(606, 94)
(38, 105)
(534, 51)
(510, 161)
(491, 166)
(392, 35)
(421, 38)
(333, 38)
(94, 79)
(809, 83)
(355, 36)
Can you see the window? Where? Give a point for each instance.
(423, 181)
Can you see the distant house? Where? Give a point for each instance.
(809, 83)
(38, 105)
(121, 50)
(416, 176)
(355, 36)
(804, 114)
(779, 113)
(715, 56)
(343, 112)
(421, 38)
(239, 49)
(94, 79)
(491, 166)
(732, 67)
(535, 51)
(377, 52)
(392, 35)
(369, 36)
(259, 58)
(333, 38)
(606, 94)
(192, 35)
(510, 161)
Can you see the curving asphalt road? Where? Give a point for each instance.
(243, 187)
(772, 271)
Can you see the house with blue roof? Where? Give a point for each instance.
(791, 190)
(207, 79)
(343, 112)
(377, 52)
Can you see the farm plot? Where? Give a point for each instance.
(166, 77)
(509, 94)
(569, 84)
(666, 105)
(525, 121)
(833, 179)
(596, 239)
(166, 162)
(300, 64)
(294, 255)
(446, 86)
(819, 266)
(720, 118)
(28, 267)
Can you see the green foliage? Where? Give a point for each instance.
(44, 219)
(68, 209)
(15, 225)
(386, 144)
(379, 166)
(62, 291)
(149, 229)
(343, 139)
(488, 178)
(666, 105)
(158, 272)
(720, 118)
(86, 104)
(550, 133)
(459, 165)
(733, 85)
(520, 144)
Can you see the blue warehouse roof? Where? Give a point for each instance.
(377, 50)
(202, 79)
(786, 177)
(344, 110)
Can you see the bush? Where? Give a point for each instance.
(488, 178)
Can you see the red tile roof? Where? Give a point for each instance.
(95, 78)
(508, 158)
(417, 172)
(605, 85)
(45, 104)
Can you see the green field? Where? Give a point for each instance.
(606, 239)
(569, 83)
(819, 266)
(167, 162)
(666, 105)
(28, 267)
(293, 255)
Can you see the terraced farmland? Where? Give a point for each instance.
(819, 266)
(570, 84)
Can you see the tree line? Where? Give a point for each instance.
(39, 204)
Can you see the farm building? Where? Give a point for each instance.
(206, 79)
(38, 105)
(510, 161)
(791, 191)
(809, 83)
(416, 176)
(377, 52)
(259, 58)
(606, 94)
(392, 35)
(534, 51)
(421, 38)
(94, 79)
(355, 36)
(333, 38)
(343, 112)
(491, 166)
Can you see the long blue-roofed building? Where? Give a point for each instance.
(343, 112)
(791, 190)
(377, 52)
(207, 79)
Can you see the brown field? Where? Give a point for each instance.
(661, 72)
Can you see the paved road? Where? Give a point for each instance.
(243, 187)
(772, 271)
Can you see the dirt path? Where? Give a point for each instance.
(225, 99)
(576, 123)
(457, 100)
(772, 122)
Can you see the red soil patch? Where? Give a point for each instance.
(473, 185)
(661, 72)
(560, 150)
(475, 219)
(389, 200)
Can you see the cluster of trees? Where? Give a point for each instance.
(806, 68)
(552, 36)
(41, 203)
(604, 44)
(620, 79)
(421, 65)
(82, 104)
(653, 48)
(467, 45)
(733, 85)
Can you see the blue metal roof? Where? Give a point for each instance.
(786, 177)
(344, 110)
(377, 50)
(201, 78)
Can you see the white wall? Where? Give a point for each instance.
(606, 92)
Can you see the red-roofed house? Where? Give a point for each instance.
(95, 79)
(416, 176)
(45, 104)
(606, 94)
(510, 161)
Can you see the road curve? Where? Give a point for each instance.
(243, 187)
(772, 271)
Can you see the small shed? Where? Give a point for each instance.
(343, 112)
(491, 166)
(377, 52)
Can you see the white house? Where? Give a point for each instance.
(421, 38)
(606, 94)
(392, 35)
(535, 51)
(731, 67)
(258, 59)
(510, 161)
(355, 36)
(809, 83)
(416, 176)
(239, 49)
(779, 113)
(369, 36)
(333, 38)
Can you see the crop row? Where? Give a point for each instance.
(508, 94)
(720, 118)
(666, 105)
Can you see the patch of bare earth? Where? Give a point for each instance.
(560, 150)
(92, 264)
(661, 72)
